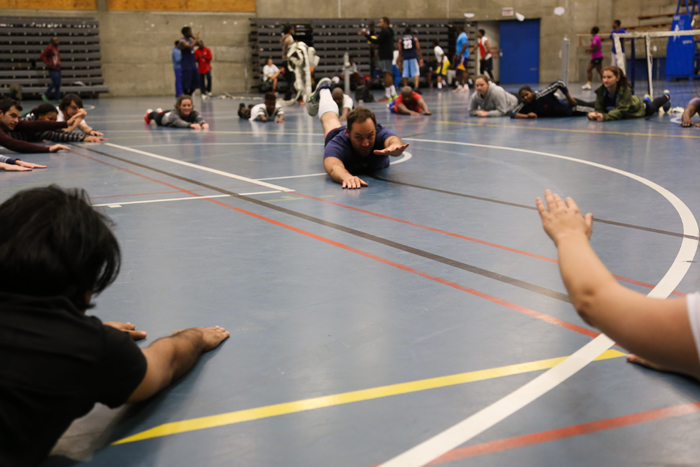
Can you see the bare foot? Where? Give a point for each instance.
(632, 358)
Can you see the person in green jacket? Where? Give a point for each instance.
(615, 100)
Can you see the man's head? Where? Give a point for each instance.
(53, 243)
(481, 33)
(270, 102)
(177, 43)
(243, 111)
(407, 95)
(288, 29)
(459, 28)
(186, 32)
(361, 130)
(269, 61)
(54, 41)
(617, 24)
(201, 44)
(526, 94)
(70, 104)
(10, 111)
(435, 43)
(384, 22)
(338, 96)
(45, 112)
(595, 30)
(184, 105)
(481, 83)
(408, 30)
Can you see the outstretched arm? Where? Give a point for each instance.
(171, 357)
(688, 115)
(393, 146)
(424, 106)
(657, 330)
(339, 174)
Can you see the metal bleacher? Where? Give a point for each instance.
(22, 39)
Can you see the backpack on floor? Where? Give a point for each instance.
(363, 94)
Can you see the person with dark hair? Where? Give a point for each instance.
(287, 41)
(268, 111)
(182, 116)
(663, 335)
(244, 111)
(385, 43)
(443, 64)
(203, 56)
(410, 56)
(409, 103)
(72, 105)
(344, 103)
(190, 72)
(620, 61)
(544, 103)
(491, 100)
(485, 57)
(10, 111)
(461, 59)
(596, 51)
(692, 109)
(56, 253)
(615, 101)
(270, 73)
(52, 59)
(177, 67)
(49, 113)
(363, 146)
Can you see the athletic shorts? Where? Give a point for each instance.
(462, 63)
(331, 134)
(442, 70)
(384, 66)
(597, 61)
(410, 68)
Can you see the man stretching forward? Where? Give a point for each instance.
(362, 147)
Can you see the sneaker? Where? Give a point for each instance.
(312, 104)
(647, 98)
(204, 97)
(159, 110)
(439, 85)
(586, 86)
(395, 96)
(148, 112)
(209, 94)
(459, 88)
(45, 99)
(667, 105)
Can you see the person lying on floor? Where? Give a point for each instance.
(10, 111)
(491, 100)
(544, 103)
(48, 113)
(182, 116)
(692, 109)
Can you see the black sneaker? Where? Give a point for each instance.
(312, 105)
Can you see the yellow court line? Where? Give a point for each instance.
(656, 135)
(347, 398)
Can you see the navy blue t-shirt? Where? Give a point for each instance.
(338, 145)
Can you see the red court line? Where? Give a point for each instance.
(491, 298)
(136, 194)
(471, 239)
(566, 432)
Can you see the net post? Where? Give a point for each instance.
(346, 72)
(647, 41)
(634, 59)
(565, 46)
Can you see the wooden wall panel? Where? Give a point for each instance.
(180, 5)
(49, 4)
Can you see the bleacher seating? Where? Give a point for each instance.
(22, 39)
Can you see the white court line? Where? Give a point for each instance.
(118, 205)
(498, 411)
(200, 167)
(252, 143)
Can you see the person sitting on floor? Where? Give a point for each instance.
(56, 253)
(491, 100)
(71, 105)
(544, 103)
(409, 103)
(10, 111)
(661, 334)
(48, 113)
(692, 108)
(182, 116)
(268, 111)
(363, 146)
(615, 101)
(345, 104)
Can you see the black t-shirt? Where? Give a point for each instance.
(55, 364)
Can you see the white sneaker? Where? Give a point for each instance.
(439, 85)
(204, 97)
(459, 88)
(209, 94)
(159, 109)
(586, 86)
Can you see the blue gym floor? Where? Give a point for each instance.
(440, 267)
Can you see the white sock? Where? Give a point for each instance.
(466, 86)
(387, 92)
(439, 85)
(393, 90)
(326, 103)
(459, 86)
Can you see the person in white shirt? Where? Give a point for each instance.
(271, 72)
(443, 65)
(485, 57)
(661, 334)
(345, 104)
(268, 111)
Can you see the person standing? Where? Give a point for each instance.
(442, 64)
(177, 67)
(204, 57)
(190, 73)
(385, 43)
(411, 56)
(52, 59)
(618, 29)
(461, 59)
(287, 41)
(485, 57)
(596, 57)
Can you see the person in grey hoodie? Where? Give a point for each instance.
(182, 116)
(491, 100)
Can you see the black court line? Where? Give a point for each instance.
(399, 246)
(532, 208)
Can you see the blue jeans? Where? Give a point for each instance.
(55, 85)
(178, 83)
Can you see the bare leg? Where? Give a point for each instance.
(404, 82)
(589, 72)
(274, 84)
(388, 80)
(330, 122)
(600, 71)
(416, 81)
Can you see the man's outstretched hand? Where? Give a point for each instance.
(393, 150)
(353, 182)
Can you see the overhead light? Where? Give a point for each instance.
(559, 11)
(469, 15)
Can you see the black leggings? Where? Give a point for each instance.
(654, 107)
(156, 117)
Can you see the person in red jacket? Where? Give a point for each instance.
(203, 57)
(52, 59)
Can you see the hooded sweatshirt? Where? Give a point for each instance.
(497, 101)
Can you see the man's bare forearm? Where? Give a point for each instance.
(179, 351)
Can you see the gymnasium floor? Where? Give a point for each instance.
(364, 323)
